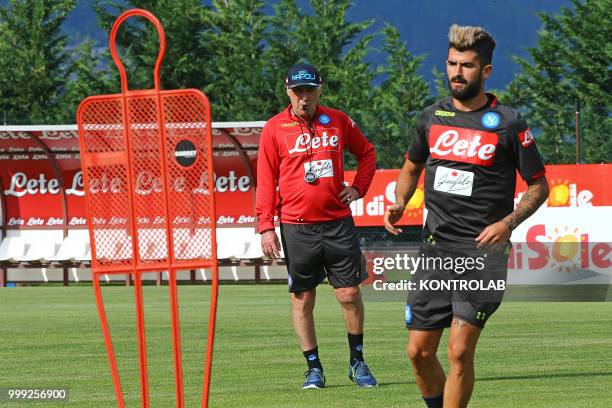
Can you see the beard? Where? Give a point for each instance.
(469, 91)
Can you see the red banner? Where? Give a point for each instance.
(234, 188)
(571, 185)
(32, 183)
(369, 210)
(576, 185)
(35, 164)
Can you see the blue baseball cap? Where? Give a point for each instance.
(303, 75)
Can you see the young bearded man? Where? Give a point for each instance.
(470, 146)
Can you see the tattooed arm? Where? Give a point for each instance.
(534, 197)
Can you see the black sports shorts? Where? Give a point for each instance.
(328, 249)
(441, 293)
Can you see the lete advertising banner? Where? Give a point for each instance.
(37, 166)
(32, 183)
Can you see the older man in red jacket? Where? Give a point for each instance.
(301, 153)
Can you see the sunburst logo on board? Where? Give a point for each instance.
(566, 194)
(414, 208)
(559, 194)
(565, 249)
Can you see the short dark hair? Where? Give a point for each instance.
(464, 38)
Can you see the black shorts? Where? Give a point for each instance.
(441, 293)
(327, 249)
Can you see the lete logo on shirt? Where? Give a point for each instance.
(299, 143)
(526, 138)
(462, 145)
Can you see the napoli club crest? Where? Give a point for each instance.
(324, 119)
(490, 120)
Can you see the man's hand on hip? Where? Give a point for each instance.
(348, 195)
(270, 245)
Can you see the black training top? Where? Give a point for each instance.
(471, 161)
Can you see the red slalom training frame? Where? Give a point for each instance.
(148, 171)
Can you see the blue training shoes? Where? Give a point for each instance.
(314, 379)
(360, 374)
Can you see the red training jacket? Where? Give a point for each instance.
(287, 150)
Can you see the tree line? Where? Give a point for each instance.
(238, 56)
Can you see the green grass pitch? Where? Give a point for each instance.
(530, 355)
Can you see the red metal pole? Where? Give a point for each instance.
(176, 338)
(211, 333)
(142, 341)
(107, 341)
